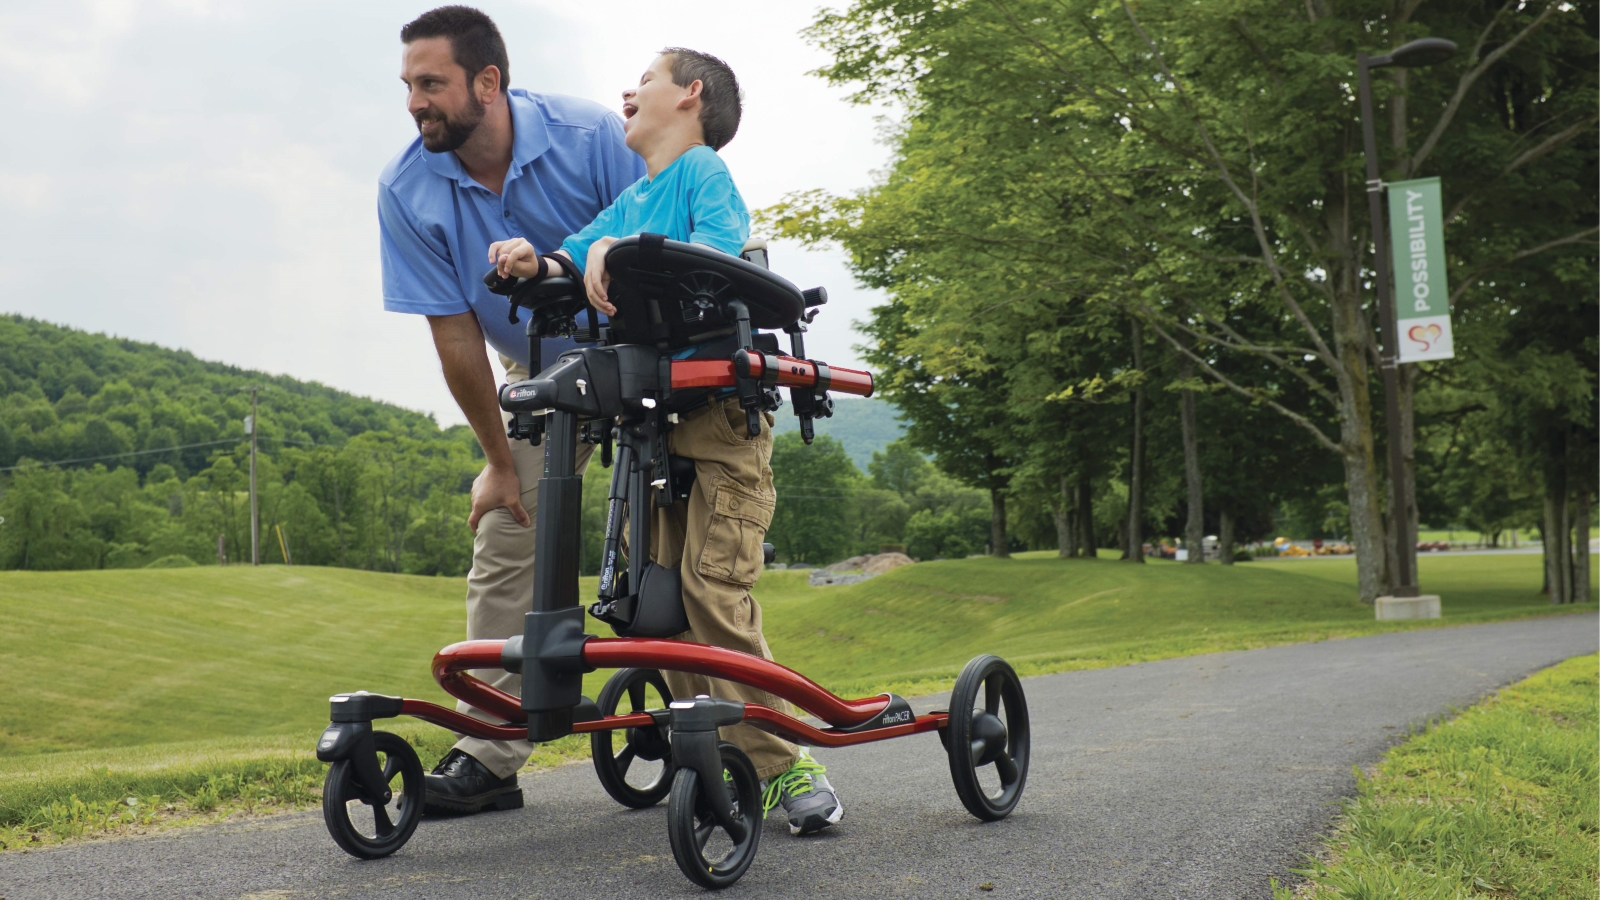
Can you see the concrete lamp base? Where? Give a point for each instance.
(1425, 606)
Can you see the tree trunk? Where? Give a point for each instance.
(1065, 536)
(1194, 528)
(1225, 539)
(1580, 548)
(1353, 342)
(1557, 555)
(997, 524)
(1557, 521)
(1086, 539)
(1133, 546)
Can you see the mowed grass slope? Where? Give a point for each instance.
(1503, 801)
(118, 684)
(912, 629)
(123, 658)
(120, 658)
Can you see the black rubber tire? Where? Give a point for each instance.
(977, 736)
(688, 818)
(611, 765)
(340, 799)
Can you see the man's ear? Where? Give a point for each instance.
(486, 84)
(693, 97)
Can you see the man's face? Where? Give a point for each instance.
(649, 107)
(439, 95)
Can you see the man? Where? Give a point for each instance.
(489, 164)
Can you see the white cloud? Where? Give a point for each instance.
(202, 174)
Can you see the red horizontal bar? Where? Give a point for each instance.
(720, 662)
(454, 720)
(462, 723)
(451, 664)
(799, 732)
(692, 373)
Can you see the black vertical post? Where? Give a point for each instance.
(551, 682)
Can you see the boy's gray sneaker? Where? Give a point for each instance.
(805, 795)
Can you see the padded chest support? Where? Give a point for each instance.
(674, 294)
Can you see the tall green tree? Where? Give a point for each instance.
(1184, 161)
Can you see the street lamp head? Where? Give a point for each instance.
(1416, 54)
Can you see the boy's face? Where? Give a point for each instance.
(657, 105)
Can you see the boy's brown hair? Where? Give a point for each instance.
(720, 106)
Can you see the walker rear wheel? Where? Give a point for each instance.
(369, 830)
(705, 851)
(634, 764)
(987, 738)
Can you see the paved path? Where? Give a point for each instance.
(1186, 778)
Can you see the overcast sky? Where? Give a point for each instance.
(202, 174)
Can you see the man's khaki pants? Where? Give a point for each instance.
(500, 589)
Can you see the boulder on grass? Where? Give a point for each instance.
(884, 562)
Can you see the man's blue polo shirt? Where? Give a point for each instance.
(568, 163)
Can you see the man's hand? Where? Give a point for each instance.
(497, 487)
(514, 258)
(459, 341)
(595, 277)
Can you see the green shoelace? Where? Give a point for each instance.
(795, 782)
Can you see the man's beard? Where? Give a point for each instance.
(456, 131)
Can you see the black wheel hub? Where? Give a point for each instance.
(988, 738)
(649, 743)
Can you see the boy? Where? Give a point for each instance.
(685, 108)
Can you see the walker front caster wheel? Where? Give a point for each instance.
(641, 753)
(987, 738)
(366, 829)
(705, 851)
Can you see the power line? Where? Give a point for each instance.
(83, 459)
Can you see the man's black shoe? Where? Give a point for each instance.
(460, 785)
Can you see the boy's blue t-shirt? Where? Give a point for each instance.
(693, 199)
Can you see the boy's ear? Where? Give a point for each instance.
(693, 96)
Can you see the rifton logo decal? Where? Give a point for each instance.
(897, 718)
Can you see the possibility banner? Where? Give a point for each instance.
(1421, 296)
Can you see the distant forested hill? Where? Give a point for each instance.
(119, 454)
(153, 463)
(66, 394)
(862, 426)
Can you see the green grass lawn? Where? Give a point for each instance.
(116, 683)
(1503, 801)
(912, 629)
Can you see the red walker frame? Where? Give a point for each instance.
(451, 665)
(552, 649)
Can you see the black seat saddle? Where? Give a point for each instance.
(675, 294)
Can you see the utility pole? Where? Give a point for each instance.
(255, 518)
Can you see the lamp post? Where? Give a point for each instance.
(1423, 52)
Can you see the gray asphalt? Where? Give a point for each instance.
(1188, 778)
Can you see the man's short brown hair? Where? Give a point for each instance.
(720, 106)
(475, 42)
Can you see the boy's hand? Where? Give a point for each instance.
(595, 277)
(514, 258)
